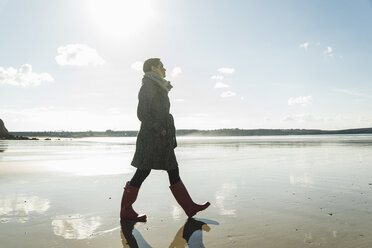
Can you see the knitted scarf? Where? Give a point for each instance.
(164, 84)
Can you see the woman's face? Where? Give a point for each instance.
(160, 69)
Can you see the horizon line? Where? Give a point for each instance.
(184, 129)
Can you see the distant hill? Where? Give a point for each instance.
(195, 132)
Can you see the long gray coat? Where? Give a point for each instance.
(154, 151)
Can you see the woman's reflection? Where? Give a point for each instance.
(130, 237)
(190, 234)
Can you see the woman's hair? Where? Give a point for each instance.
(150, 62)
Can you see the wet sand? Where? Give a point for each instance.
(264, 192)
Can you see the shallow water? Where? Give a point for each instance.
(267, 191)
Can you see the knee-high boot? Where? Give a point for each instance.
(129, 197)
(183, 198)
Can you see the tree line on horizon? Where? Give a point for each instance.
(196, 132)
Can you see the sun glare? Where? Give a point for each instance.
(119, 17)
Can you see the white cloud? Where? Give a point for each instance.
(228, 94)
(304, 45)
(351, 92)
(24, 76)
(226, 70)
(179, 100)
(137, 66)
(78, 55)
(301, 100)
(176, 72)
(219, 85)
(328, 51)
(217, 77)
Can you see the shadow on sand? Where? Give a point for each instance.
(190, 234)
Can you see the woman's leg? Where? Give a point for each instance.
(130, 195)
(183, 198)
(174, 176)
(139, 177)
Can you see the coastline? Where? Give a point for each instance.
(194, 132)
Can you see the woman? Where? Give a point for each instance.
(156, 141)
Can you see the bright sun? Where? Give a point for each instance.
(119, 17)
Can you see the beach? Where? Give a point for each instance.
(269, 191)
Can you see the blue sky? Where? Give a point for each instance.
(73, 65)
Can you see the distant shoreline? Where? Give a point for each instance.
(195, 132)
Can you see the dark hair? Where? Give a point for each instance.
(150, 62)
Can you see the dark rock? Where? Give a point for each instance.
(4, 134)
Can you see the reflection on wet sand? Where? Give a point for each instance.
(19, 208)
(2, 149)
(304, 180)
(130, 237)
(75, 226)
(3, 146)
(223, 197)
(190, 234)
(292, 141)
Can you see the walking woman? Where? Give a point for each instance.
(155, 145)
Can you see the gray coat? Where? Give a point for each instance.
(154, 151)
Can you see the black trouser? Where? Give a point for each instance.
(140, 176)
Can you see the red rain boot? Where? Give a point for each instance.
(183, 198)
(129, 197)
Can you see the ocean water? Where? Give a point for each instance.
(313, 190)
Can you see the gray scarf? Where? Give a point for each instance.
(164, 84)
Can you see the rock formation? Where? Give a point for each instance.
(4, 134)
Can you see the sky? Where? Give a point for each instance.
(75, 65)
